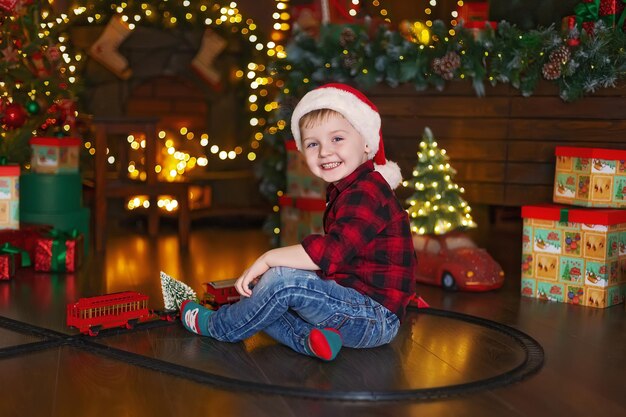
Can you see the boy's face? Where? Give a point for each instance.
(333, 148)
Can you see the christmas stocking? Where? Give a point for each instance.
(175, 292)
(212, 45)
(105, 49)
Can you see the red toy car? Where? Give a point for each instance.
(219, 293)
(453, 261)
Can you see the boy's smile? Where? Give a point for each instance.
(333, 148)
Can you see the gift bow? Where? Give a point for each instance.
(14, 250)
(590, 12)
(58, 256)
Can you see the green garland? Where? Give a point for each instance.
(366, 56)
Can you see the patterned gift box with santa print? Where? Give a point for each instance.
(9, 197)
(590, 177)
(54, 155)
(574, 255)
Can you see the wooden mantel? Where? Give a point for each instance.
(502, 145)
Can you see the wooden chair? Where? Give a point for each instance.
(105, 127)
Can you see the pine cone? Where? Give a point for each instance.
(446, 65)
(347, 37)
(551, 70)
(560, 55)
(349, 60)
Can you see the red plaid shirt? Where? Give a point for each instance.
(367, 243)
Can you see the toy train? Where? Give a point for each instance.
(219, 293)
(122, 309)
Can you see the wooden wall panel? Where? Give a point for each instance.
(502, 145)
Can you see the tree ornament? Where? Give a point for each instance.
(53, 53)
(446, 65)
(8, 5)
(33, 107)
(14, 116)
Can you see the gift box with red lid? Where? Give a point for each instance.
(300, 181)
(590, 177)
(574, 255)
(9, 196)
(54, 155)
(475, 16)
(59, 251)
(300, 217)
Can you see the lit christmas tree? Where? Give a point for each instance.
(436, 206)
(36, 97)
(175, 292)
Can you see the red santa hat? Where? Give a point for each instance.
(362, 115)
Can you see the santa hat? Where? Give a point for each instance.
(362, 115)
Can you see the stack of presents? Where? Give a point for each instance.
(574, 251)
(302, 207)
(42, 222)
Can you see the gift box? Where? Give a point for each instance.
(22, 242)
(590, 177)
(9, 196)
(59, 251)
(574, 255)
(54, 155)
(611, 12)
(7, 266)
(300, 181)
(300, 217)
(475, 16)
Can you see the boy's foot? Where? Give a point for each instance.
(324, 343)
(194, 317)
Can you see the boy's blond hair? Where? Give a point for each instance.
(315, 117)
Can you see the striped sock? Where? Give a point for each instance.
(324, 343)
(194, 317)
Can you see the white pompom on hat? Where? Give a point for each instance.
(362, 115)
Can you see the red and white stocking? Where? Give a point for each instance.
(105, 49)
(211, 46)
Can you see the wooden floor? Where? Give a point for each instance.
(583, 374)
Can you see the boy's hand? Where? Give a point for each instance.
(250, 277)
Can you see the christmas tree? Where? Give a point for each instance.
(436, 206)
(36, 92)
(175, 292)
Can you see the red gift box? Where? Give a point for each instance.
(59, 253)
(24, 238)
(7, 266)
(611, 12)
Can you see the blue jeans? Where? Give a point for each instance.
(287, 303)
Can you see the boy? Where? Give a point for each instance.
(350, 286)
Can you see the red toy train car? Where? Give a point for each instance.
(219, 293)
(122, 309)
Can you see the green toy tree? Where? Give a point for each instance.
(436, 205)
(175, 292)
(36, 91)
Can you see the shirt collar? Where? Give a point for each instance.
(334, 189)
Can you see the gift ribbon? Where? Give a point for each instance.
(590, 12)
(14, 250)
(564, 216)
(58, 256)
